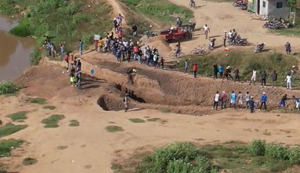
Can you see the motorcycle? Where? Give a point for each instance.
(259, 48)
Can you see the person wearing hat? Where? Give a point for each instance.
(263, 101)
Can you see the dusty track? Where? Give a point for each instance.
(222, 17)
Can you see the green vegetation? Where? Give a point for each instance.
(40, 101)
(49, 107)
(235, 157)
(153, 119)
(52, 121)
(29, 161)
(114, 129)
(8, 88)
(10, 128)
(137, 120)
(165, 110)
(62, 21)
(18, 116)
(74, 123)
(245, 61)
(162, 11)
(7, 145)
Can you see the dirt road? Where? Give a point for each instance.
(222, 17)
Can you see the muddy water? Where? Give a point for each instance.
(14, 51)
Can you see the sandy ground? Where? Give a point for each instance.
(89, 148)
(222, 17)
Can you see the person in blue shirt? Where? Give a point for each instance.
(232, 99)
(221, 71)
(263, 101)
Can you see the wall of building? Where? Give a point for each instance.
(274, 12)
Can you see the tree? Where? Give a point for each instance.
(293, 5)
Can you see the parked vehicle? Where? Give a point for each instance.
(240, 4)
(276, 24)
(177, 34)
(259, 48)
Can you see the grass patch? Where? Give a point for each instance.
(74, 123)
(8, 88)
(40, 101)
(294, 30)
(257, 157)
(114, 129)
(7, 145)
(29, 161)
(52, 121)
(153, 119)
(161, 11)
(18, 116)
(10, 128)
(49, 107)
(137, 120)
(165, 110)
(246, 61)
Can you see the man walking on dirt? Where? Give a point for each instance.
(126, 101)
(221, 71)
(216, 100)
(223, 100)
(224, 39)
(232, 99)
(195, 66)
(251, 105)
(215, 71)
(247, 99)
(288, 48)
(263, 101)
(206, 30)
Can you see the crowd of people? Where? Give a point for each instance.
(73, 66)
(240, 100)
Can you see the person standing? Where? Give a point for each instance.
(251, 105)
(224, 100)
(253, 77)
(206, 30)
(162, 62)
(62, 49)
(216, 100)
(247, 99)
(232, 99)
(221, 71)
(283, 101)
(215, 71)
(224, 39)
(126, 101)
(195, 68)
(240, 99)
(186, 66)
(288, 48)
(80, 47)
(274, 77)
(288, 80)
(236, 74)
(263, 101)
(264, 78)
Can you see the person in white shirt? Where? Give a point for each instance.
(288, 80)
(206, 31)
(216, 100)
(253, 78)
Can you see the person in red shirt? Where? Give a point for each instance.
(195, 70)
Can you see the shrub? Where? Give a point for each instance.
(35, 56)
(257, 148)
(294, 155)
(18, 116)
(74, 123)
(7, 145)
(52, 121)
(10, 128)
(29, 161)
(40, 101)
(276, 151)
(22, 29)
(114, 129)
(8, 88)
(178, 166)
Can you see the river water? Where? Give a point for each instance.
(14, 51)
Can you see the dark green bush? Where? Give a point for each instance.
(257, 148)
(22, 29)
(276, 151)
